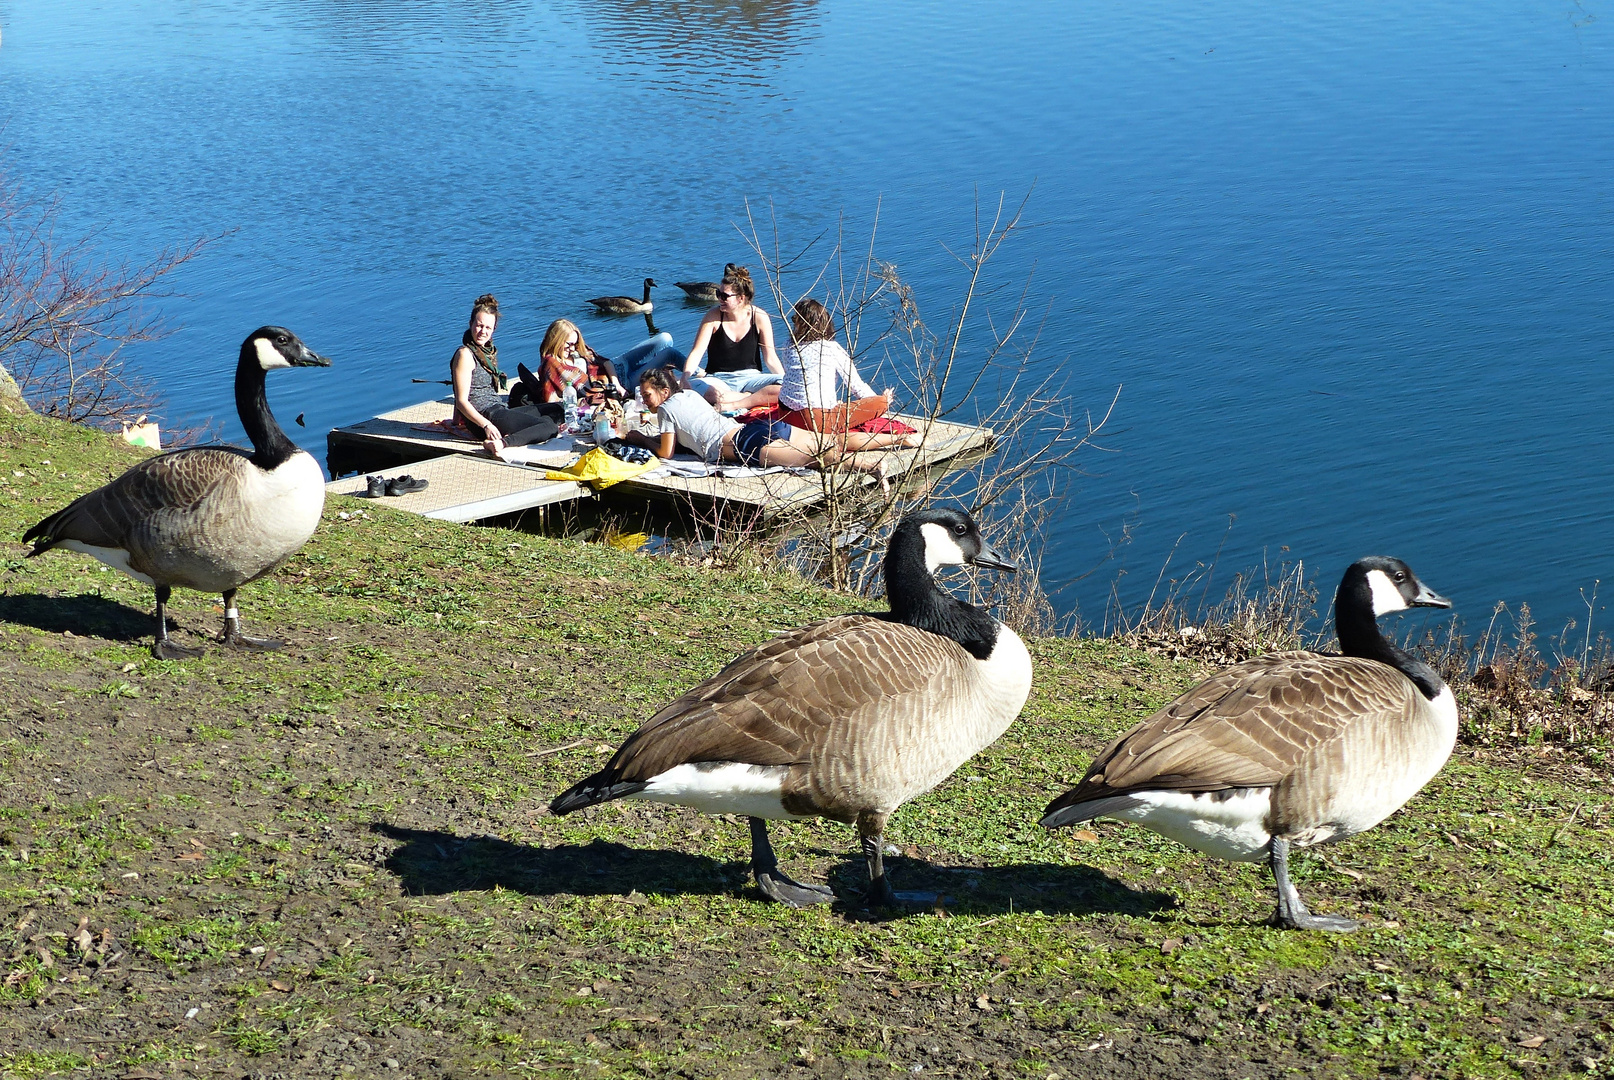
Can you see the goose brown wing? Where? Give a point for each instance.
(109, 515)
(773, 705)
(1247, 726)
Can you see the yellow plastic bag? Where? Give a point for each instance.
(599, 470)
(141, 433)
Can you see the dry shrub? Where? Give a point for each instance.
(980, 370)
(1509, 693)
(1261, 611)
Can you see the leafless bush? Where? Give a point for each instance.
(1510, 693)
(978, 371)
(66, 316)
(1267, 609)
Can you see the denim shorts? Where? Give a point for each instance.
(736, 382)
(749, 440)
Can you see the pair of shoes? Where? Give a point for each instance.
(375, 487)
(404, 485)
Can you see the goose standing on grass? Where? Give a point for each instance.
(210, 518)
(625, 305)
(1286, 750)
(847, 718)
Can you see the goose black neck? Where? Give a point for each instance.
(1359, 636)
(270, 446)
(917, 600)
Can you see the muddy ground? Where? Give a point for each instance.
(335, 860)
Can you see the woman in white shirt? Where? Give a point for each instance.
(815, 367)
(687, 419)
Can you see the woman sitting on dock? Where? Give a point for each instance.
(474, 373)
(736, 340)
(685, 418)
(815, 365)
(568, 359)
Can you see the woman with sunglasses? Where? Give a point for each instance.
(736, 340)
(568, 361)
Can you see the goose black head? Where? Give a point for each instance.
(1376, 586)
(276, 347)
(950, 537)
(650, 283)
(1384, 585)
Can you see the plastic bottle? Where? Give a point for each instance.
(568, 399)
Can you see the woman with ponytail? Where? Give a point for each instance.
(474, 373)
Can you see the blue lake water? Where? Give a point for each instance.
(1350, 268)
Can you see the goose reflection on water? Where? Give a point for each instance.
(681, 38)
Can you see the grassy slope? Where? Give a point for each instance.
(365, 811)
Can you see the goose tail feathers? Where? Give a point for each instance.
(591, 791)
(49, 532)
(1063, 811)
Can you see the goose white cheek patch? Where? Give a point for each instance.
(940, 547)
(1386, 597)
(268, 356)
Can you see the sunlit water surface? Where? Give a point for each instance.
(1350, 267)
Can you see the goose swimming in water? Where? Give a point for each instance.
(847, 718)
(699, 292)
(210, 518)
(1286, 750)
(625, 305)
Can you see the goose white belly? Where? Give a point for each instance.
(117, 558)
(722, 787)
(240, 531)
(1368, 788)
(1228, 825)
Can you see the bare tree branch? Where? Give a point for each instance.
(66, 316)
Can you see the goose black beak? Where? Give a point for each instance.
(1427, 597)
(992, 560)
(307, 358)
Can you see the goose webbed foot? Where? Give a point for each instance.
(165, 649)
(1292, 913)
(775, 885)
(238, 640)
(233, 638)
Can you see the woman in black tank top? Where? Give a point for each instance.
(736, 340)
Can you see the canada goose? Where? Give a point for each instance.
(847, 718)
(699, 292)
(625, 305)
(1286, 750)
(210, 518)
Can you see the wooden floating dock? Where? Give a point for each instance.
(463, 488)
(404, 437)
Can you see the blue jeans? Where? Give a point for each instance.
(654, 352)
(748, 381)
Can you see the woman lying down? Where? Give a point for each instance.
(686, 418)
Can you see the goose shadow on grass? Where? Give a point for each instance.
(86, 615)
(431, 862)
